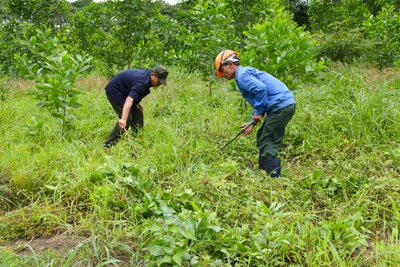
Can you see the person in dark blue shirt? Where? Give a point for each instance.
(125, 91)
(268, 96)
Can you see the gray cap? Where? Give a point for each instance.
(161, 73)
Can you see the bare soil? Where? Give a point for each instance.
(60, 243)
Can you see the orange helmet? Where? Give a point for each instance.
(223, 58)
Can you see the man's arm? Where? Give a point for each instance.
(125, 112)
(258, 90)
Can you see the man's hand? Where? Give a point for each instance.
(125, 113)
(257, 118)
(122, 123)
(248, 130)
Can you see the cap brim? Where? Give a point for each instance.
(219, 73)
(163, 81)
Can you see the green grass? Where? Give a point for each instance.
(181, 200)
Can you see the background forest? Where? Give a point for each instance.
(171, 196)
(286, 37)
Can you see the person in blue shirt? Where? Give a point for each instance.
(268, 96)
(125, 91)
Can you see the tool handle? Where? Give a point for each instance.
(251, 123)
(241, 132)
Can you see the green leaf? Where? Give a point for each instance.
(165, 259)
(188, 233)
(169, 250)
(194, 261)
(177, 259)
(183, 253)
(156, 250)
(33, 40)
(65, 57)
(215, 228)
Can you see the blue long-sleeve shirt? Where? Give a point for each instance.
(264, 92)
(134, 83)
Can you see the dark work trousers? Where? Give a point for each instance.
(271, 133)
(135, 120)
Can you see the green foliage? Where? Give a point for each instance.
(371, 111)
(178, 236)
(345, 235)
(43, 14)
(81, 3)
(383, 31)
(211, 30)
(271, 240)
(24, 222)
(11, 33)
(343, 45)
(109, 181)
(246, 13)
(365, 111)
(2, 10)
(33, 126)
(130, 23)
(89, 26)
(194, 32)
(55, 72)
(91, 32)
(335, 205)
(323, 13)
(105, 32)
(169, 10)
(280, 48)
(162, 40)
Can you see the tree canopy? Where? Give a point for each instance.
(130, 33)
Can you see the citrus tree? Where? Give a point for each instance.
(11, 34)
(53, 14)
(91, 32)
(282, 49)
(323, 13)
(383, 31)
(211, 29)
(130, 24)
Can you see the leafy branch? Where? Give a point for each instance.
(55, 71)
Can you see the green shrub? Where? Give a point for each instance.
(383, 31)
(323, 13)
(54, 70)
(282, 49)
(341, 44)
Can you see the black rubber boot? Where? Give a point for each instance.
(114, 136)
(273, 167)
(109, 144)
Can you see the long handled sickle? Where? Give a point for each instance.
(241, 132)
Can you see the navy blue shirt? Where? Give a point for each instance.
(134, 83)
